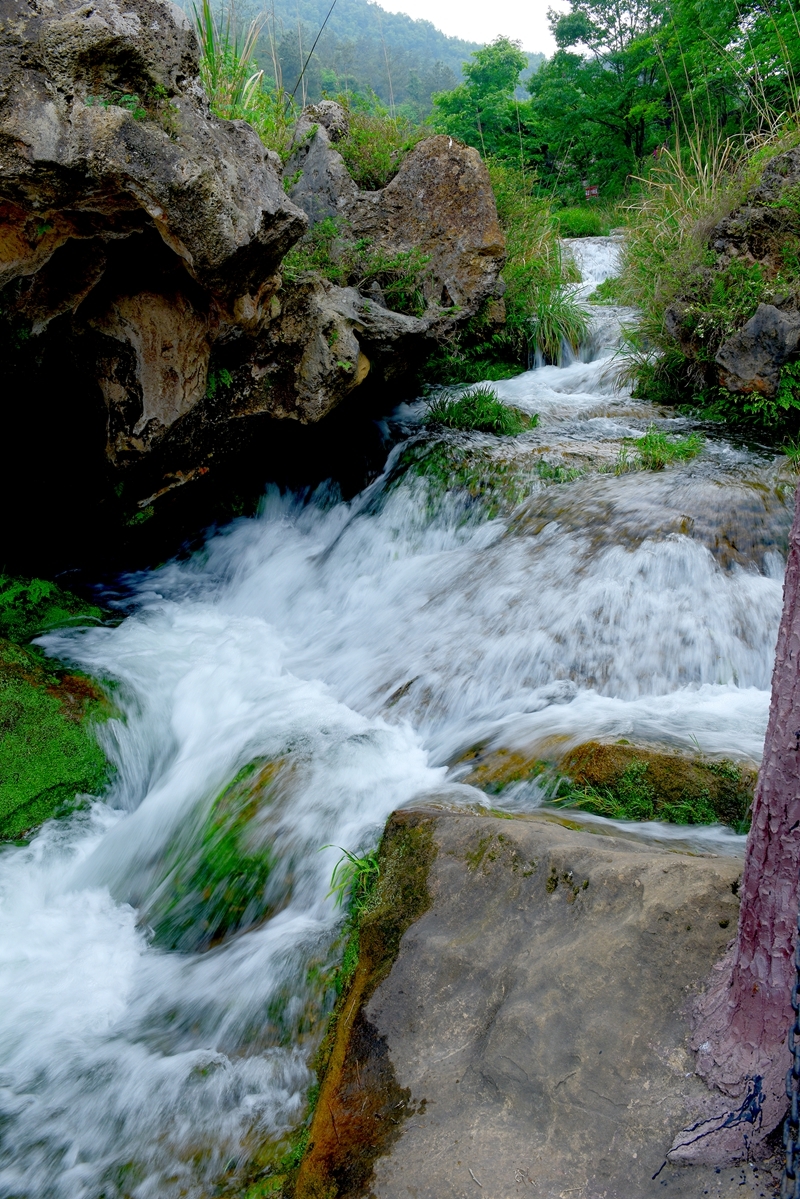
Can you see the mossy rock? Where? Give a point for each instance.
(630, 782)
(497, 769)
(227, 878)
(49, 754)
(623, 781)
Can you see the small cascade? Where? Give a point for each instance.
(312, 669)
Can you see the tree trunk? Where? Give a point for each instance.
(741, 1022)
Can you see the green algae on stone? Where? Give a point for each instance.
(49, 754)
(227, 878)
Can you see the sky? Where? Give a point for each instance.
(482, 22)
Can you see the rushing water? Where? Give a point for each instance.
(369, 644)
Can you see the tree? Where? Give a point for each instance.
(483, 111)
(742, 1020)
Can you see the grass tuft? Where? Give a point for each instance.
(478, 409)
(655, 450)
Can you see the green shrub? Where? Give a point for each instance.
(580, 222)
(329, 250)
(377, 142)
(479, 410)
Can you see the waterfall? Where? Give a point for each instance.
(350, 652)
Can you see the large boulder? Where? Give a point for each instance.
(518, 1025)
(751, 359)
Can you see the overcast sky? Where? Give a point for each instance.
(481, 22)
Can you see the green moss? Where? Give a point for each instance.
(49, 754)
(219, 884)
(625, 783)
(29, 607)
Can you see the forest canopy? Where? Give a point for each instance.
(626, 80)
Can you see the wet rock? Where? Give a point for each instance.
(751, 360)
(533, 1024)
(679, 782)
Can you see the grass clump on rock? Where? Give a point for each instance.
(656, 450)
(626, 782)
(478, 410)
(49, 755)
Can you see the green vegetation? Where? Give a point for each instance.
(49, 755)
(225, 878)
(328, 250)
(353, 879)
(582, 222)
(478, 409)
(655, 450)
(634, 798)
(622, 782)
(376, 142)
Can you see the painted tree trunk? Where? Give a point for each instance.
(742, 1020)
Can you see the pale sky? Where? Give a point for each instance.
(525, 20)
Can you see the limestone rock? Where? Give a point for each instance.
(319, 182)
(532, 1030)
(751, 360)
(441, 203)
(128, 210)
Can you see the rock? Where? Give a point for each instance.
(141, 243)
(530, 1035)
(673, 785)
(147, 229)
(318, 179)
(441, 203)
(751, 360)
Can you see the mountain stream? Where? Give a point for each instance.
(337, 658)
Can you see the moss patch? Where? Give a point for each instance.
(494, 771)
(626, 782)
(360, 1107)
(49, 755)
(228, 879)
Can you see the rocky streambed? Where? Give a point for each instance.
(172, 953)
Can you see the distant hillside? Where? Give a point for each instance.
(363, 49)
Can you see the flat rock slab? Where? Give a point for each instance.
(536, 1013)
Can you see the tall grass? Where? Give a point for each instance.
(668, 260)
(232, 80)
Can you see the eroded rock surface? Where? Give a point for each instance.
(534, 1020)
(141, 245)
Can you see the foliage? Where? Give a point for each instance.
(656, 449)
(49, 755)
(330, 250)
(634, 798)
(668, 266)
(353, 879)
(376, 142)
(581, 222)
(478, 409)
(234, 84)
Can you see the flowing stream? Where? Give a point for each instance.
(503, 592)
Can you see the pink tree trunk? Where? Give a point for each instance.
(742, 1020)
